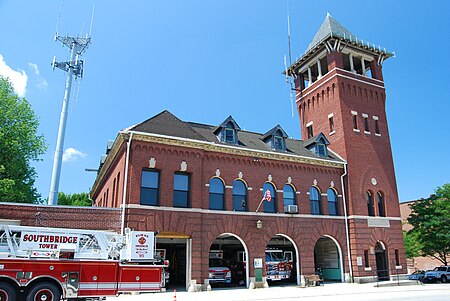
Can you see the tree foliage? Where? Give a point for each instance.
(430, 219)
(76, 199)
(20, 144)
(412, 245)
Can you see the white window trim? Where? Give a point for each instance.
(309, 124)
(364, 115)
(356, 130)
(378, 135)
(375, 117)
(365, 132)
(330, 115)
(354, 113)
(332, 133)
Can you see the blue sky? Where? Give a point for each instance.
(205, 60)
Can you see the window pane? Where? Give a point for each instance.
(229, 135)
(332, 202)
(370, 208)
(239, 196)
(216, 195)
(150, 179)
(269, 206)
(278, 143)
(216, 186)
(180, 198)
(381, 210)
(355, 122)
(314, 201)
(181, 182)
(216, 201)
(149, 196)
(288, 195)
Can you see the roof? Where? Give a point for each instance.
(165, 123)
(316, 139)
(329, 27)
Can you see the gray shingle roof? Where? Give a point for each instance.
(165, 123)
(329, 27)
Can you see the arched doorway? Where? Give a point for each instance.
(281, 260)
(381, 261)
(328, 259)
(228, 264)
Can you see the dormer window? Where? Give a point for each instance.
(229, 135)
(227, 131)
(276, 139)
(318, 145)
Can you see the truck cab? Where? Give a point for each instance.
(277, 266)
(218, 271)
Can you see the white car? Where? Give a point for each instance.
(441, 274)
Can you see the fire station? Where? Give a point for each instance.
(237, 207)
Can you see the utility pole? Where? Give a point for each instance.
(74, 68)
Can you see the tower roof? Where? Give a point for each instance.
(329, 27)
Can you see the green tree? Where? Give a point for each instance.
(430, 219)
(412, 245)
(19, 146)
(76, 199)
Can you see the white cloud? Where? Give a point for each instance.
(18, 78)
(72, 154)
(35, 68)
(41, 82)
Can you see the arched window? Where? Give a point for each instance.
(370, 206)
(288, 195)
(381, 206)
(332, 202)
(239, 196)
(314, 201)
(216, 194)
(270, 206)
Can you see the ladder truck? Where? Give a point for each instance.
(50, 264)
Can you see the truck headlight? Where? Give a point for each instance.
(210, 275)
(228, 274)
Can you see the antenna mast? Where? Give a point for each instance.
(74, 68)
(288, 74)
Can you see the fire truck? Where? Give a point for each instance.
(278, 267)
(47, 264)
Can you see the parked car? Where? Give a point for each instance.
(441, 274)
(417, 275)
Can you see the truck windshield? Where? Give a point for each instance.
(274, 256)
(216, 262)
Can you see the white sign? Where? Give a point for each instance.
(359, 261)
(40, 241)
(140, 245)
(257, 263)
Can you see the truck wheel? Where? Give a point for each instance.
(44, 292)
(443, 279)
(7, 292)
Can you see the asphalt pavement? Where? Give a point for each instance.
(331, 291)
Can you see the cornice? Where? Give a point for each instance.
(230, 150)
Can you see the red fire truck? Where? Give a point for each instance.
(47, 264)
(278, 267)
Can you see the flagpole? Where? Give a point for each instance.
(262, 200)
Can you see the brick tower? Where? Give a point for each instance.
(340, 92)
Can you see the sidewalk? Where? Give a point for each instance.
(359, 291)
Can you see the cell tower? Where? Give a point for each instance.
(74, 68)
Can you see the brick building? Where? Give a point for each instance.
(201, 185)
(333, 197)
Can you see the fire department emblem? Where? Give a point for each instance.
(142, 240)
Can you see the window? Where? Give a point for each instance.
(366, 124)
(332, 202)
(370, 205)
(381, 208)
(149, 188)
(278, 143)
(355, 121)
(229, 135)
(377, 126)
(314, 201)
(216, 194)
(239, 196)
(366, 258)
(331, 123)
(181, 190)
(397, 258)
(321, 150)
(270, 206)
(309, 129)
(288, 195)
